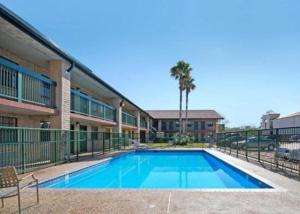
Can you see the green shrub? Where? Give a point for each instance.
(161, 140)
(183, 139)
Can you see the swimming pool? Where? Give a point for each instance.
(159, 170)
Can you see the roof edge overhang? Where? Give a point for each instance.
(28, 29)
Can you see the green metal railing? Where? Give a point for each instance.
(24, 85)
(129, 119)
(31, 148)
(270, 147)
(86, 105)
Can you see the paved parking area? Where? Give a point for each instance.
(160, 201)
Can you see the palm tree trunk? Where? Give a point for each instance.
(186, 109)
(180, 109)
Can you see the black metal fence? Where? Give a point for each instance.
(279, 148)
(29, 148)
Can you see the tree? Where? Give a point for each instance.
(188, 87)
(179, 72)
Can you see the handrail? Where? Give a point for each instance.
(25, 85)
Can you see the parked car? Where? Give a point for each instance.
(265, 143)
(288, 154)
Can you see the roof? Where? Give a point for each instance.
(296, 114)
(24, 26)
(192, 114)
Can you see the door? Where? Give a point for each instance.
(143, 137)
(83, 138)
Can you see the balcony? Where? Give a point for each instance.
(26, 86)
(143, 123)
(128, 119)
(86, 105)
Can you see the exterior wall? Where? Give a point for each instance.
(63, 94)
(207, 130)
(25, 120)
(267, 120)
(287, 122)
(24, 63)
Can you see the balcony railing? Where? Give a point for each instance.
(129, 119)
(143, 123)
(86, 105)
(23, 85)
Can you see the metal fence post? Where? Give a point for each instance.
(23, 150)
(225, 143)
(77, 144)
(258, 145)
(55, 147)
(230, 147)
(246, 144)
(68, 139)
(237, 146)
(110, 139)
(124, 142)
(92, 147)
(103, 144)
(276, 138)
(277, 146)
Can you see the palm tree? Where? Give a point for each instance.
(179, 72)
(188, 87)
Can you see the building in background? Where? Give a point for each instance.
(272, 120)
(267, 120)
(201, 124)
(291, 120)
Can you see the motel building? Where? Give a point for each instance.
(41, 86)
(201, 124)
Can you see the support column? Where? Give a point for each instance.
(76, 138)
(58, 72)
(159, 132)
(137, 132)
(159, 126)
(116, 104)
(89, 138)
(148, 129)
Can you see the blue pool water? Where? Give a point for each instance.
(159, 169)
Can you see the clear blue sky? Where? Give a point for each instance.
(245, 54)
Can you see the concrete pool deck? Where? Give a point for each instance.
(285, 200)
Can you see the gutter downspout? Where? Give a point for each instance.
(71, 67)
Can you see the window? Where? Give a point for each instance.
(84, 105)
(196, 125)
(202, 125)
(45, 135)
(8, 121)
(8, 135)
(163, 125)
(171, 125)
(210, 124)
(94, 134)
